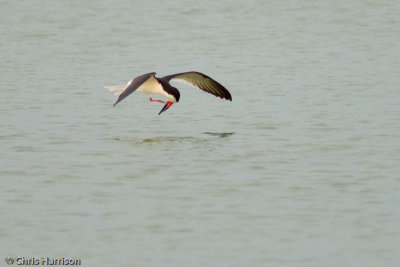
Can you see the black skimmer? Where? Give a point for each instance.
(150, 84)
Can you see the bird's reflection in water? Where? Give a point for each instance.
(162, 139)
(219, 134)
(171, 139)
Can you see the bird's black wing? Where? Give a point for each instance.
(203, 82)
(133, 85)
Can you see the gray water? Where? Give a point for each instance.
(300, 169)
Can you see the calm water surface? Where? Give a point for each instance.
(301, 169)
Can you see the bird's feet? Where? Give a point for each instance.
(155, 100)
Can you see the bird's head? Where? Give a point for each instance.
(175, 93)
(173, 97)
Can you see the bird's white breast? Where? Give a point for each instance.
(152, 87)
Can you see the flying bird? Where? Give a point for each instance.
(148, 83)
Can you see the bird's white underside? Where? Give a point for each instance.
(151, 87)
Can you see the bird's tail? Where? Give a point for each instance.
(116, 90)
